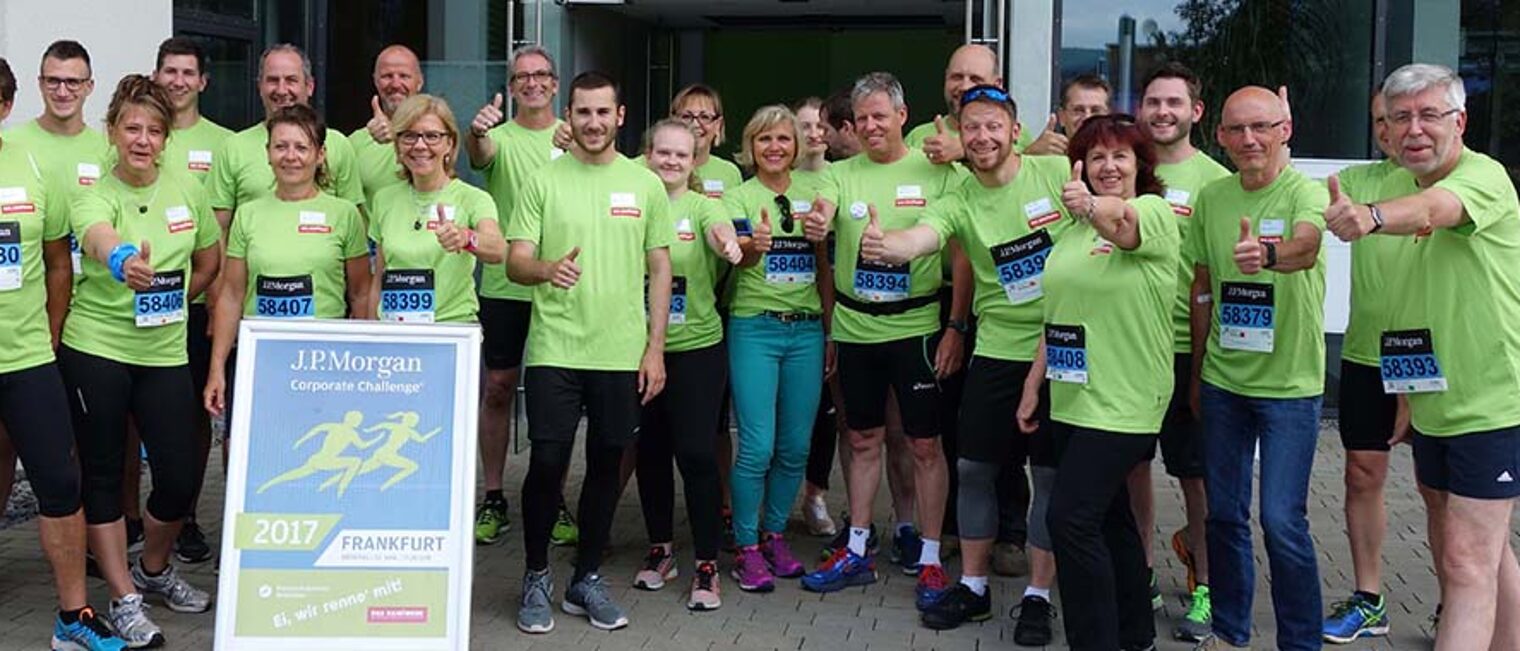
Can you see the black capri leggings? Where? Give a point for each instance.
(682, 422)
(102, 393)
(32, 408)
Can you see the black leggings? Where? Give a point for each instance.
(32, 408)
(820, 462)
(682, 422)
(1105, 587)
(102, 393)
(547, 463)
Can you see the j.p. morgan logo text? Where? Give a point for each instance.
(376, 372)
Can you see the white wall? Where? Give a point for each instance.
(122, 36)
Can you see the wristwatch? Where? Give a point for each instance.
(958, 325)
(1271, 255)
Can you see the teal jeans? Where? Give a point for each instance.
(777, 373)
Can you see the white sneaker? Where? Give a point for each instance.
(127, 616)
(816, 512)
(178, 594)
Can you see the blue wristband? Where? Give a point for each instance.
(118, 258)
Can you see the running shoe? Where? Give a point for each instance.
(779, 555)
(907, 544)
(1355, 618)
(816, 513)
(491, 522)
(1198, 623)
(191, 547)
(705, 594)
(844, 569)
(751, 571)
(88, 633)
(534, 614)
(564, 533)
(957, 606)
(131, 623)
(659, 567)
(932, 584)
(1034, 622)
(177, 593)
(589, 597)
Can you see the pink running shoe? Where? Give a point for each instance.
(751, 572)
(779, 555)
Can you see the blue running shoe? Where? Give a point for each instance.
(1354, 618)
(932, 585)
(844, 569)
(907, 545)
(86, 634)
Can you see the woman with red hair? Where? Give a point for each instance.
(1109, 287)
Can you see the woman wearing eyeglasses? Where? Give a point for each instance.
(699, 106)
(776, 338)
(298, 253)
(1109, 286)
(429, 231)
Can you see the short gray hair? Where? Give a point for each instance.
(878, 82)
(1417, 78)
(287, 47)
(530, 50)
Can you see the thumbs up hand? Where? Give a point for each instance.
(1050, 143)
(1075, 195)
(1249, 251)
(1344, 218)
(815, 223)
(943, 146)
(873, 242)
(563, 138)
(379, 124)
(489, 116)
(565, 270)
(137, 269)
(760, 242)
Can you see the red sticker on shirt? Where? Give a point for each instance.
(910, 203)
(1270, 239)
(200, 167)
(626, 212)
(179, 226)
(18, 208)
(1045, 219)
(313, 228)
(87, 180)
(1182, 210)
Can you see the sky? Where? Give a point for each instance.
(1095, 23)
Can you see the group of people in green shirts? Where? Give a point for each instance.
(963, 293)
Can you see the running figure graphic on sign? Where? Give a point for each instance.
(340, 436)
(403, 429)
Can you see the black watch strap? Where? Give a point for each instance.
(958, 326)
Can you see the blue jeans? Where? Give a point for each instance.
(775, 416)
(1287, 430)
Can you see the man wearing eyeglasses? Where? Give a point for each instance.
(1082, 97)
(508, 154)
(1170, 106)
(1258, 331)
(1450, 349)
(398, 75)
(240, 172)
(886, 322)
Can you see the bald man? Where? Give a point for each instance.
(398, 75)
(1259, 351)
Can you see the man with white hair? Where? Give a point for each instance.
(1451, 347)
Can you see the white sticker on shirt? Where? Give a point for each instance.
(200, 160)
(859, 210)
(12, 195)
(684, 231)
(1178, 197)
(179, 218)
(1272, 228)
(712, 187)
(313, 222)
(1037, 208)
(622, 200)
(88, 173)
(555, 153)
(909, 196)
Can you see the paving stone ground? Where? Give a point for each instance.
(872, 618)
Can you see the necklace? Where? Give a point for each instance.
(142, 208)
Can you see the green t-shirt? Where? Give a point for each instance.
(615, 213)
(1183, 181)
(920, 133)
(1007, 233)
(1273, 345)
(520, 152)
(376, 164)
(695, 267)
(28, 217)
(786, 278)
(717, 176)
(1463, 285)
(902, 191)
(413, 256)
(241, 173)
(106, 317)
(1109, 325)
(1374, 260)
(70, 164)
(192, 150)
(296, 252)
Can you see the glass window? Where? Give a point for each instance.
(1321, 50)
(1490, 68)
(230, 100)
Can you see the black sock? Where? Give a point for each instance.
(1371, 597)
(496, 496)
(580, 574)
(70, 616)
(154, 575)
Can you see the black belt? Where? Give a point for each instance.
(791, 317)
(883, 309)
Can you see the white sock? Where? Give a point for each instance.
(977, 584)
(858, 537)
(1043, 593)
(930, 553)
